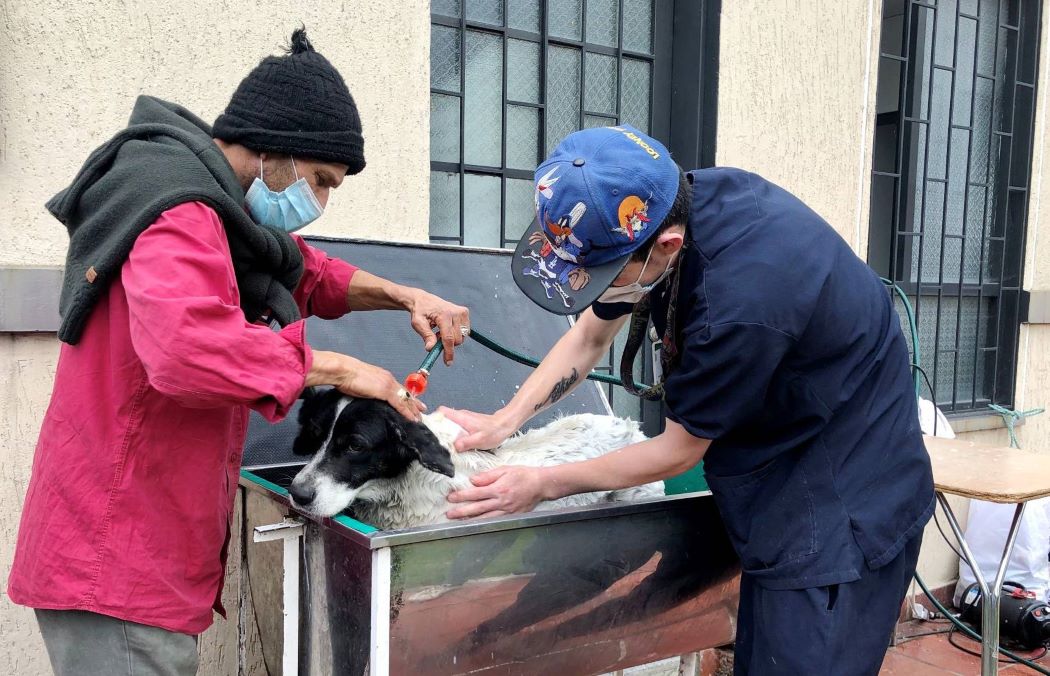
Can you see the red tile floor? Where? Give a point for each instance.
(933, 655)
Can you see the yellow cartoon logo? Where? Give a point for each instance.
(633, 215)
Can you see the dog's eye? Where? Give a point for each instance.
(350, 445)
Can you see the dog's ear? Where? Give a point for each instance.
(422, 444)
(431, 453)
(316, 416)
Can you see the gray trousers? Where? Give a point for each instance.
(88, 644)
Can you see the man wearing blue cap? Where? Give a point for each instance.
(783, 367)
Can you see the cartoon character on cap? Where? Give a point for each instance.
(552, 273)
(632, 216)
(556, 264)
(560, 269)
(545, 186)
(559, 237)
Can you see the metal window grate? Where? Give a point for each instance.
(508, 81)
(950, 182)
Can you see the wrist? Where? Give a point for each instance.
(405, 297)
(508, 420)
(550, 485)
(514, 415)
(326, 368)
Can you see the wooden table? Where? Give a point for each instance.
(995, 474)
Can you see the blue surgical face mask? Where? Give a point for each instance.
(292, 209)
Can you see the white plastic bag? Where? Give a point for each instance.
(986, 528)
(932, 421)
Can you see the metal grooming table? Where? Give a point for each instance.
(579, 591)
(1004, 475)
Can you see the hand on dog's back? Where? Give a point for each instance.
(483, 431)
(504, 490)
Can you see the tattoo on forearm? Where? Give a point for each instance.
(559, 390)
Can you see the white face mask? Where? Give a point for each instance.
(634, 292)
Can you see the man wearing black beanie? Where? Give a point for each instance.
(296, 104)
(180, 254)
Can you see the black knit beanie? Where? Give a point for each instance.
(296, 104)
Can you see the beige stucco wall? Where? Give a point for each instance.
(68, 76)
(796, 104)
(91, 59)
(796, 91)
(27, 367)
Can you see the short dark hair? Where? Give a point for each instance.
(678, 215)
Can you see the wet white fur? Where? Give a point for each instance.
(418, 496)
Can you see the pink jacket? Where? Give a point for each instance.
(128, 508)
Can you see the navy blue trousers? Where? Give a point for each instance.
(838, 630)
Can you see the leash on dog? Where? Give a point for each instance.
(417, 381)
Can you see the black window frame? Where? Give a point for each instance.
(659, 92)
(890, 250)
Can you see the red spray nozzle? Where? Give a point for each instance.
(416, 383)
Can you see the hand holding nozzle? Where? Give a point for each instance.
(416, 383)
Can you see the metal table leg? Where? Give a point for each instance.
(989, 593)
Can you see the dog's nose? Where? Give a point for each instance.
(303, 495)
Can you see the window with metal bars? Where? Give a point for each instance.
(950, 183)
(511, 78)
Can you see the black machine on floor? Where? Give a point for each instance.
(1023, 617)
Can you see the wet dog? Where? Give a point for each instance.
(396, 473)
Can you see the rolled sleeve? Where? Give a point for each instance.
(723, 377)
(611, 311)
(322, 291)
(187, 326)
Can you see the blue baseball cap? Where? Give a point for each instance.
(599, 196)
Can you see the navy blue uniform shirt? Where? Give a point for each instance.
(793, 363)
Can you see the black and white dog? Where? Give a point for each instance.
(398, 473)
